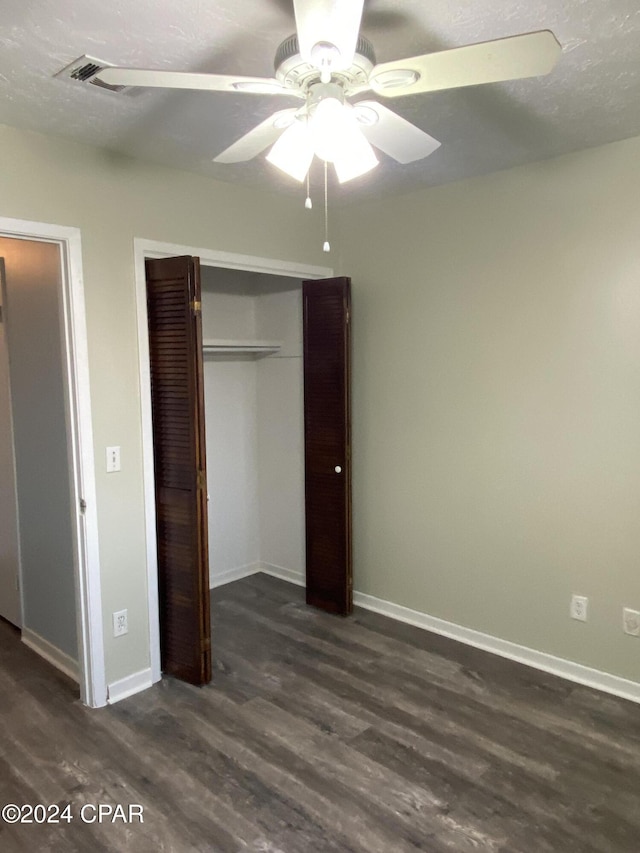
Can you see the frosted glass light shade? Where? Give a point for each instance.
(338, 139)
(327, 126)
(333, 134)
(293, 151)
(355, 161)
(353, 154)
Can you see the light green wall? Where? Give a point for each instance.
(496, 416)
(112, 200)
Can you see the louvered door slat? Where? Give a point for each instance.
(326, 307)
(175, 348)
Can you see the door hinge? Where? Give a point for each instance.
(201, 480)
(196, 308)
(83, 505)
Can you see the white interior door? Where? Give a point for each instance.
(9, 538)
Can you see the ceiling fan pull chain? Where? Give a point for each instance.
(326, 246)
(307, 202)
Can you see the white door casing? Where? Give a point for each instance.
(10, 603)
(208, 257)
(91, 663)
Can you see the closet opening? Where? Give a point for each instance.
(246, 438)
(254, 416)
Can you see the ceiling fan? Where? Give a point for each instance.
(326, 65)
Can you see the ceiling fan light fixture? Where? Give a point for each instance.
(395, 79)
(337, 138)
(355, 160)
(327, 127)
(293, 151)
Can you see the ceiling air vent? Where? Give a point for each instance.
(84, 70)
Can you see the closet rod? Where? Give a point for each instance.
(258, 347)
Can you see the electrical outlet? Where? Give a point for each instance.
(579, 607)
(113, 459)
(120, 623)
(631, 621)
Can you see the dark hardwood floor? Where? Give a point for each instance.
(324, 734)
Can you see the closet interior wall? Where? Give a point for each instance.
(254, 425)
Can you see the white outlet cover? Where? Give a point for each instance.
(120, 623)
(579, 607)
(631, 621)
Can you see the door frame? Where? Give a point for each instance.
(73, 333)
(209, 258)
(5, 354)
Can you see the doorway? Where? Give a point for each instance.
(40, 450)
(253, 394)
(10, 598)
(149, 250)
(56, 524)
(276, 399)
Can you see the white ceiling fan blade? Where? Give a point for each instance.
(527, 55)
(332, 22)
(261, 137)
(392, 134)
(189, 80)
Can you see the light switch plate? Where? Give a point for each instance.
(113, 459)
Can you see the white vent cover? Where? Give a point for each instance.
(84, 70)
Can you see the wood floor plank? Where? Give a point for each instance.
(324, 735)
(345, 820)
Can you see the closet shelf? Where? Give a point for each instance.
(218, 345)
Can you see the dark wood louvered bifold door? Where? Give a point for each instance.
(177, 395)
(327, 432)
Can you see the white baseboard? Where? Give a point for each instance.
(569, 670)
(234, 575)
(566, 669)
(290, 575)
(129, 685)
(51, 653)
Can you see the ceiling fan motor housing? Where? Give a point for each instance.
(295, 73)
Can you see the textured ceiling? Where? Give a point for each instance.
(592, 96)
